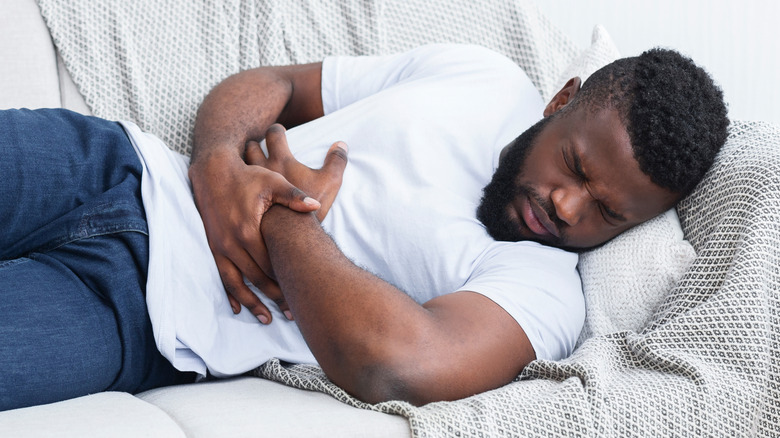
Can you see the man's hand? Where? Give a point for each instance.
(233, 196)
(323, 184)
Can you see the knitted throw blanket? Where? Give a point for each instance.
(709, 362)
(153, 61)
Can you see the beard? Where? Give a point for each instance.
(502, 190)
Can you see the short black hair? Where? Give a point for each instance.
(674, 113)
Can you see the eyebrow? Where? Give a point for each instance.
(578, 170)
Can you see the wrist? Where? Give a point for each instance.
(279, 221)
(213, 164)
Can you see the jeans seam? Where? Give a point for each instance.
(11, 262)
(134, 227)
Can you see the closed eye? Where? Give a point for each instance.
(575, 166)
(610, 214)
(605, 214)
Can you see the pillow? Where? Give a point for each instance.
(625, 280)
(601, 52)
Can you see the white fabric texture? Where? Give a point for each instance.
(602, 51)
(249, 407)
(28, 69)
(405, 210)
(708, 364)
(626, 280)
(114, 414)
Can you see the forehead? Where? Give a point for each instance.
(600, 142)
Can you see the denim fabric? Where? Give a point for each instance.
(73, 261)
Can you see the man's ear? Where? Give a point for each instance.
(563, 97)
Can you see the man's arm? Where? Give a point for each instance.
(232, 196)
(372, 339)
(243, 106)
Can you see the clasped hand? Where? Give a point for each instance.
(233, 201)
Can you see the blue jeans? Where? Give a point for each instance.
(73, 262)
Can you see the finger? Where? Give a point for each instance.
(235, 306)
(256, 266)
(336, 160)
(253, 154)
(271, 289)
(286, 194)
(233, 281)
(276, 142)
(260, 265)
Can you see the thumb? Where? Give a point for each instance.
(295, 199)
(336, 160)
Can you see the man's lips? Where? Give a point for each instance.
(536, 218)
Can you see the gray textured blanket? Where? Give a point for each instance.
(707, 365)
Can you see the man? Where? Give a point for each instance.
(435, 122)
(425, 130)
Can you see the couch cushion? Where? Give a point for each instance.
(251, 406)
(70, 95)
(114, 414)
(28, 71)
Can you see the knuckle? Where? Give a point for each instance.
(279, 180)
(340, 153)
(260, 281)
(294, 192)
(248, 233)
(255, 307)
(229, 288)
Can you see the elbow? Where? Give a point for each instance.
(385, 382)
(381, 383)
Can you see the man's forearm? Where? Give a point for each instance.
(236, 110)
(244, 105)
(358, 327)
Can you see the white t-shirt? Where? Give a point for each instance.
(424, 129)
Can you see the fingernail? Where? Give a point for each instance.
(344, 146)
(311, 202)
(263, 319)
(288, 315)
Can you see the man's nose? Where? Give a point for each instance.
(570, 203)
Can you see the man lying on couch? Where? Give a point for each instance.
(417, 285)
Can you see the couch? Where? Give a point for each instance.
(681, 337)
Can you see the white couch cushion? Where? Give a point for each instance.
(110, 414)
(251, 406)
(29, 65)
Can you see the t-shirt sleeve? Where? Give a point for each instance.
(540, 287)
(347, 79)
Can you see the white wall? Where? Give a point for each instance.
(737, 42)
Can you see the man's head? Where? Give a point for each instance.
(637, 137)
